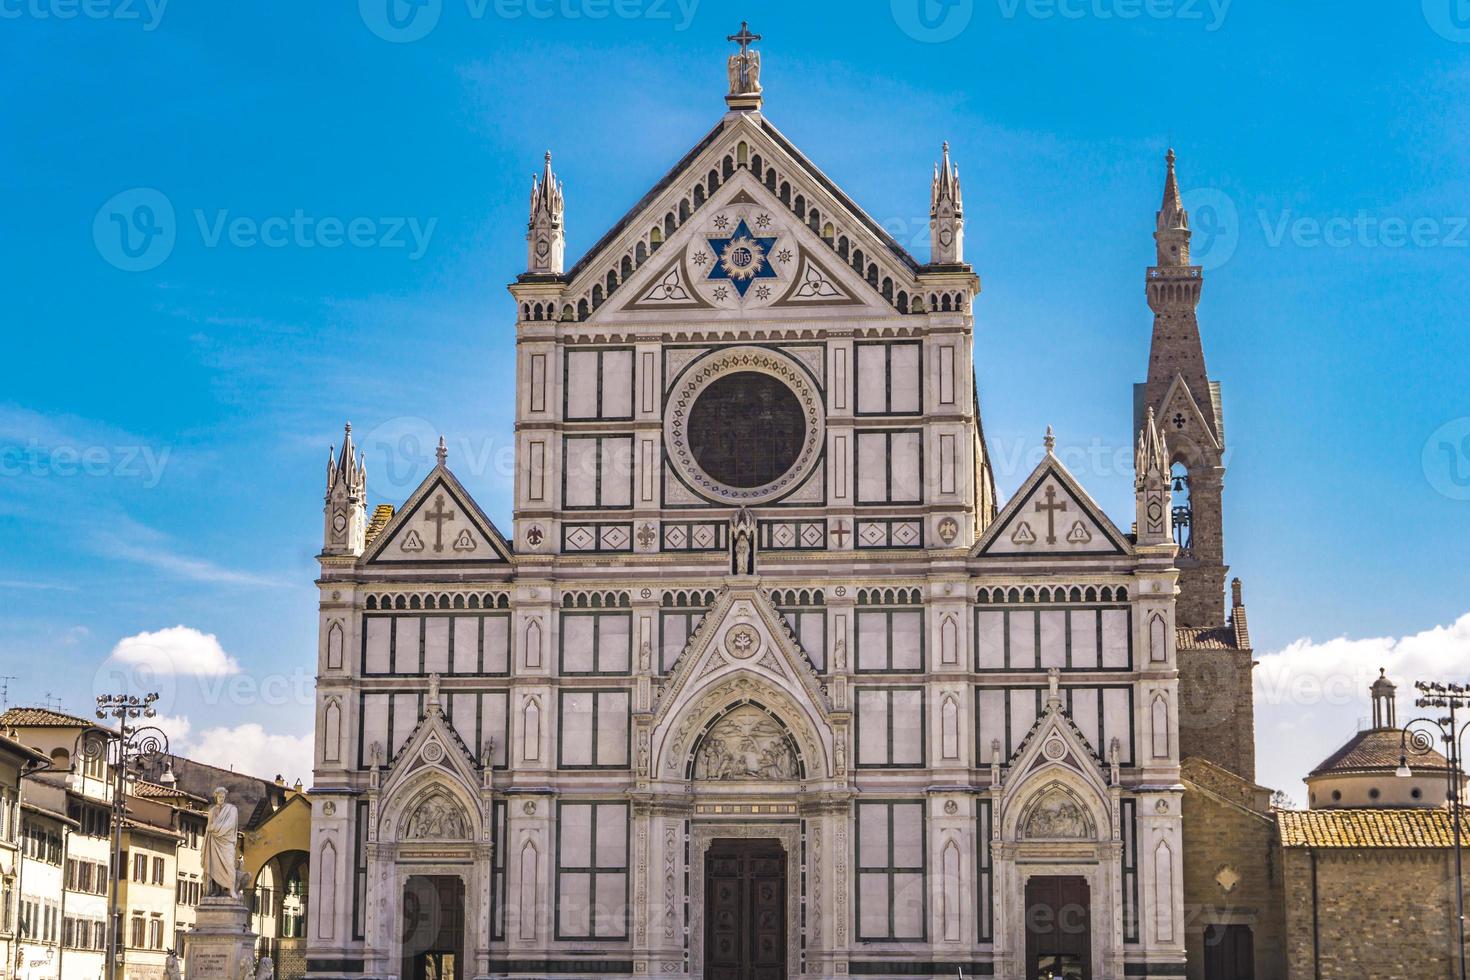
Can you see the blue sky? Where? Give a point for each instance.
(166, 415)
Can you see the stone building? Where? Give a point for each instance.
(770, 683)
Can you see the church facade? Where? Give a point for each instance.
(769, 683)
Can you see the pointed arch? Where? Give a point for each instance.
(531, 729)
(1163, 903)
(530, 871)
(1159, 724)
(325, 898)
(332, 731)
(1158, 639)
(334, 646)
(533, 643)
(949, 728)
(951, 911)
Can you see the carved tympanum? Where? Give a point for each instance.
(437, 818)
(1057, 816)
(746, 744)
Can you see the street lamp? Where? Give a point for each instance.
(1418, 738)
(131, 746)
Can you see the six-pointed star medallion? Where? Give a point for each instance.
(742, 258)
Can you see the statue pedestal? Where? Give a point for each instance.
(221, 945)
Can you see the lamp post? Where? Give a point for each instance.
(130, 744)
(1418, 738)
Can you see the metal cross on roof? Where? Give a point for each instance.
(745, 39)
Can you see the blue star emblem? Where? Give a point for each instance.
(742, 258)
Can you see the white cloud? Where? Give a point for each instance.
(243, 748)
(1311, 697)
(176, 651)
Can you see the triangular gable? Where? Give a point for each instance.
(1055, 758)
(439, 524)
(742, 632)
(1180, 413)
(707, 170)
(743, 251)
(433, 744)
(1051, 516)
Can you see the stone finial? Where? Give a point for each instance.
(744, 69)
(441, 454)
(546, 240)
(1051, 441)
(946, 213)
(1171, 225)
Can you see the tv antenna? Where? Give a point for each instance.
(5, 680)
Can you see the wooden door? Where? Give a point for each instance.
(1058, 929)
(433, 928)
(1230, 953)
(745, 910)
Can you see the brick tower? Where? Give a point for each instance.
(1217, 718)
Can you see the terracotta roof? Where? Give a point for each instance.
(1205, 637)
(1377, 750)
(42, 718)
(1365, 828)
(20, 748)
(143, 789)
(382, 514)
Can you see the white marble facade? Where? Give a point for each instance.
(926, 699)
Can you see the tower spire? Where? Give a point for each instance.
(345, 510)
(946, 214)
(1186, 406)
(1172, 232)
(546, 240)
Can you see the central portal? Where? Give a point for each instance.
(1058, 929)
(745, 910)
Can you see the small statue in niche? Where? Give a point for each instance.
(742, 541)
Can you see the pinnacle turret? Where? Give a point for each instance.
(546, 231)
(345, 510)
(946, 214)
(1172, 232)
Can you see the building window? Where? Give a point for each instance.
(597, 472)
(140, 868)
(890, 466)
(139, 932)
(155, 932)
(890, 899)
(592, 871)
(497, 871)
(890, 640)
(599, 384)
(158, 871)
(596, 643)
(890, 727)
(888, 378)
(594, 729)
(806, 614)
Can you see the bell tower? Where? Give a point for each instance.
(1186, 404)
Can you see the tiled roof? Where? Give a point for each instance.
(1365, 828)
(1377, 750)
(143, 789)
(42, 718)
(382, 514)
(1205, 637)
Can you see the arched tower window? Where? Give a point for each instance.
(1182, 508)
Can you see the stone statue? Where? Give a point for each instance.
(221, 846)
(745, 73)
(266, 970)
(746, 745)
(1057, 817)
(171, 966)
